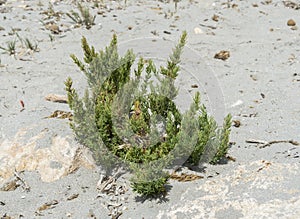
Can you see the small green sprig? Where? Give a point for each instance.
(84, 18)
(10, 47)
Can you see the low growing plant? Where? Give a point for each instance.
(84, 18)
(128, 117)
(10, 47)
(30, 45)
(50, 13)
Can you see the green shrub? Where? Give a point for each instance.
(119, 114)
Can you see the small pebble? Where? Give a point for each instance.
(253, 77)
(197, 30)
(215, 18)
(291, 22)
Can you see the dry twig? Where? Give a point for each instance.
(25, 185)
(264, 144)
(209, 26)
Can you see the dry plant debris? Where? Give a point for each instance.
(60, 114)
(253, 77)
(14, 183)
(223, 55)
(111, 192)
(264, 144)
(6, 216)
(22, 105)
(10, 185)
(24, 184)
(231, 158)
(184, 177)
(57, 98)
(46, 206)
(266, 164)
(292, 5)
(236, 123)
(208, 26)
(266, 2)
(73, 197)
(53, 28)
(215, 18)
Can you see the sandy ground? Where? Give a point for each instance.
(258, 84)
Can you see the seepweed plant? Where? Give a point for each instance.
(125, 117)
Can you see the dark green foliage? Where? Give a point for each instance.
(151, 187)
(118, 117)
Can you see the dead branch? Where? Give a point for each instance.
(263, 144)
(25, 185)
(209, 26)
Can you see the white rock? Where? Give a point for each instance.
(197, 30)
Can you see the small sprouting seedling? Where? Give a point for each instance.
(85, 17)
(32, 46)
(51, 37)
(28, 44)
(75, 17)
(20, 38)
(13, 31)
(51, 13)
(51, 9)
(11, 47)
(98, 3)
